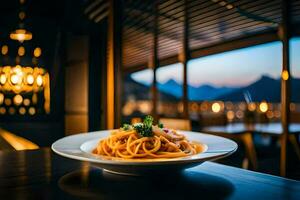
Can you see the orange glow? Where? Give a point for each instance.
(285, 75)
(18, 99)
(263, 107)
(251, 106)
(39, 80)
(4, 49)
(31, 111)
(12, 110)
(2, 110)
(7, 102)
(37, 52)
(20, 35)
(230, 115)
(30, 79)
(18, 143)
(2, 79)
(22, 111)
(1, 98)
(21, 51)
(26, 102)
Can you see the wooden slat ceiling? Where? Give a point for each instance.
(211, 22)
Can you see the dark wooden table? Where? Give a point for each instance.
(40, 174)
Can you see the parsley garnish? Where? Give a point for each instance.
(145, 128)
(126, 127)
(160, 125)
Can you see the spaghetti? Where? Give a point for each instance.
(128, 143)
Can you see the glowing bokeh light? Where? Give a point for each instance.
(263, 107)
(37, 52)
(39, 80)
(216, 107)
(18, 99)
(30, 79)
(4, 49)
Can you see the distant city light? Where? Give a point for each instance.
(263, 106)
(230, 115)
(216, 107)
(251, 106)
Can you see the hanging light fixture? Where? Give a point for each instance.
(21, 34)
(17, 82)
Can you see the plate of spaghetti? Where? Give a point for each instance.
(143, 148)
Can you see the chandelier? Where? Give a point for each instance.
(23, 88)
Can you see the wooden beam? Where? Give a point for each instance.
(185, 58)
(242, 42)
(97, 76)
(284, 34)
(155, 62)
(114, 65)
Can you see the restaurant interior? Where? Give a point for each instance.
(71, 67)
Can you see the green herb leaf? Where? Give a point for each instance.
(126, 127)
(145, 128)
(160, 125)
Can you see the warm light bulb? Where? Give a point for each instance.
(2, 79)
(31, 111)
(2, 110)
(1, 98)
(15, 79)
(18, 99)
(26, 102)
(30, 79)
(39, 80)
(22, 111)
(20, 35)
(37, 52)
(21, 51)
(4, 49)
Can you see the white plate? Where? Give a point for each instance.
(79, 147)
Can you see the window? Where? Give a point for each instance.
(235, 86)
(295, 79)
(137, 95)
(169, 85)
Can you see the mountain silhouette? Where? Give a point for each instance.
(203, 92)
(139, 91)
(265, 88)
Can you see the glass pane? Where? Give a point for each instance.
(295, 79)
(169, 85)
(137, 95)
(236, 86)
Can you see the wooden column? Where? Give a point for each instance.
(155, 62)
(114, 61)
(284, 34)
(184, 59)
(97, 74)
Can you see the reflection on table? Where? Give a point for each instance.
(41, 174)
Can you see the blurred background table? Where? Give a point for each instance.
(40, 174)
(244, 133)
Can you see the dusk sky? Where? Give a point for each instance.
(233, 68)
